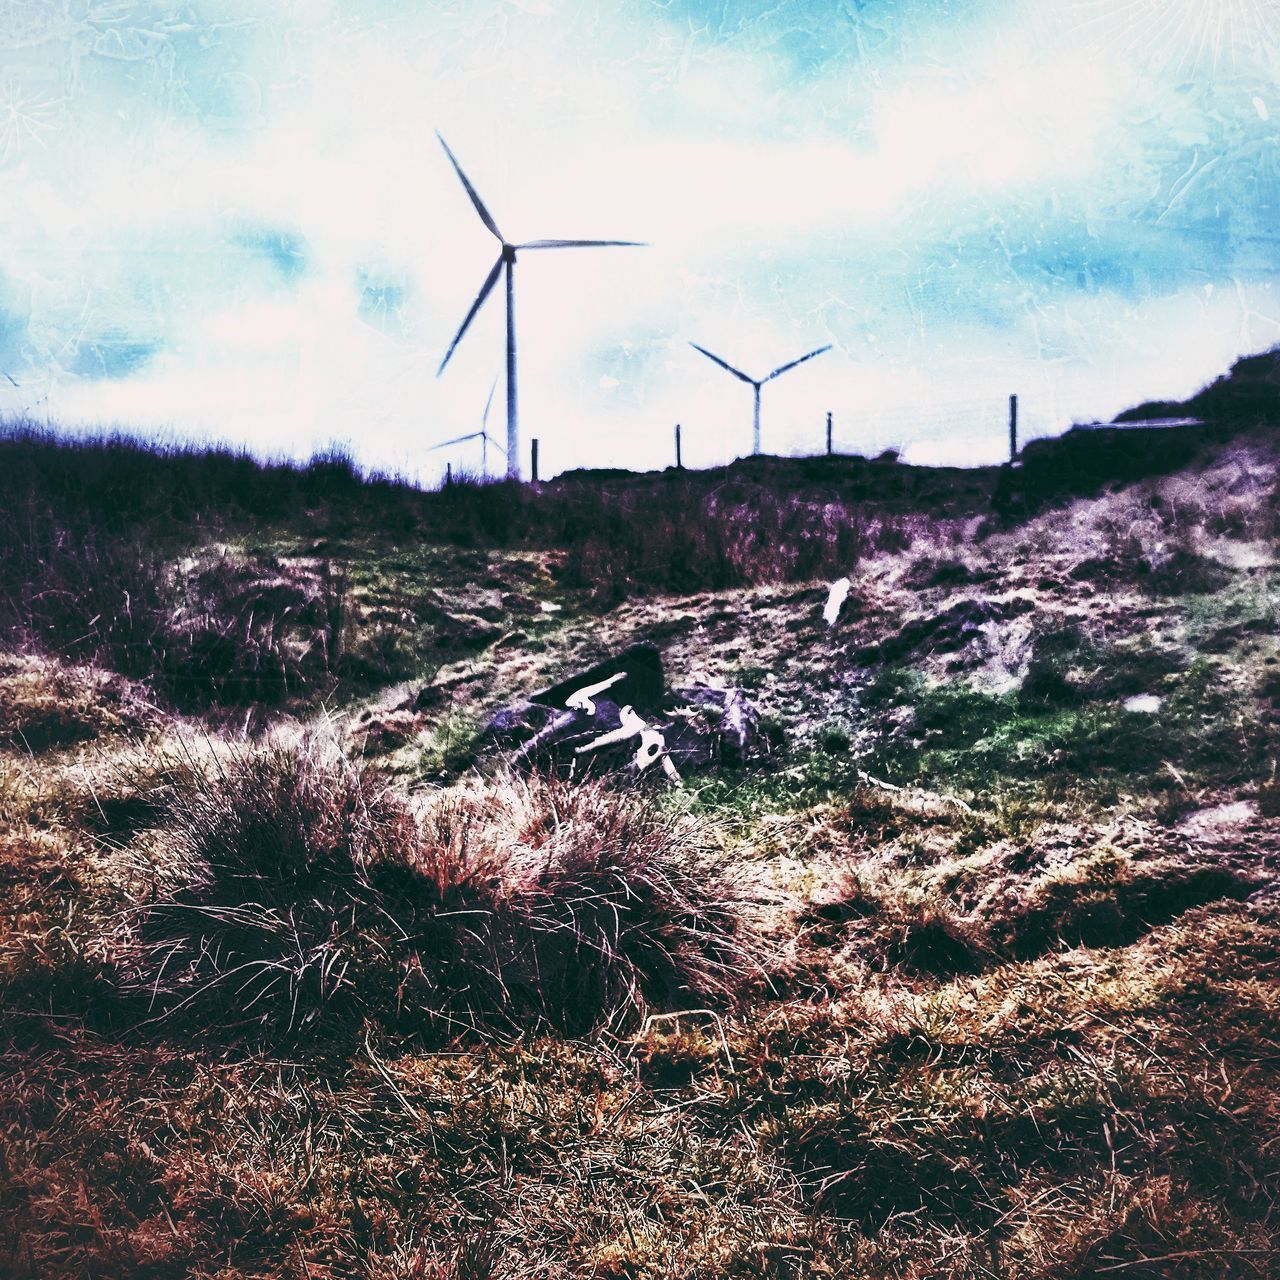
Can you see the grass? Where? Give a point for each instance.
(961, 737)
(299, 893)
(975, 975)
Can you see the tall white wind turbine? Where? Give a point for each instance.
(507, 261)
(757, 383)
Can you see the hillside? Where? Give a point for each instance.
(955, 951)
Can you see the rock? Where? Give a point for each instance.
(948, 631)
(545, 730)
(1143, 704)
(736, 736)
(709, 726)
(644, 688)
(456, 632)
(564, 730)
(516, 725)
(836, 596)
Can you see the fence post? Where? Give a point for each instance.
(1013, 429)
(679, 460)
(534, 460)
(448, 473)
(828, 433)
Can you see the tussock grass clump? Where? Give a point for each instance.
(262, 901)
(602, 903)
(46, 705)
(239, 631)
(300, 889)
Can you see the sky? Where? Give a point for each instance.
(233, 221)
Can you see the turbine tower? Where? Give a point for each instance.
(482, 435)
(757, 383)
(507, 261)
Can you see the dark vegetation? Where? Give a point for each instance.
(1249, 393)
(969, 977)
(302, 895)
(89, 525)
(91, 530)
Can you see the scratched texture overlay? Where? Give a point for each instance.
(233, 220)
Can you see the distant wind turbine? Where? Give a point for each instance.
(757, 383)
(482, 435)
(507, 259)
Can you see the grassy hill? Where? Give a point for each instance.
(974, 972)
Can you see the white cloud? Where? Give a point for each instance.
(757, 192)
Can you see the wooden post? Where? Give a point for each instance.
(679, 460)
(534, 460)
(828, 433)
(1013, 429)
(448, 473)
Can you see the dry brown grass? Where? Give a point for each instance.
(1082, 1111)
(791, 1026)
(296, 890)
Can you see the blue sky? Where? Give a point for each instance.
(230, 219)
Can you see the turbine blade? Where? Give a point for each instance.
(485, 290)
(502, 448)
(724, 364)
(583, 244)
(488, 404)
(783, 368)
(485, 216)
(444, 444)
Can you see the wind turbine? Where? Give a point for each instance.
(482, 435)
(757, 383)
(507, 260)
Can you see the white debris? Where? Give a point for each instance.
(835, 600)
(583, 699)
(631, 726)
(653, 746)
(1146, 704)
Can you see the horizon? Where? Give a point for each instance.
(241, 230)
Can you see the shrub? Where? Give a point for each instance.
(240, 631)
(301, 890)
(212, 630)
